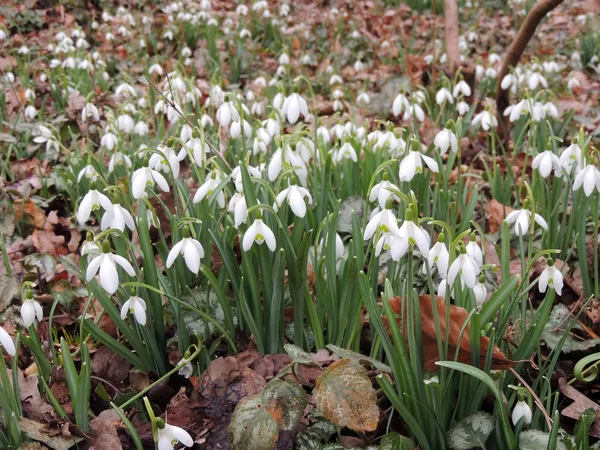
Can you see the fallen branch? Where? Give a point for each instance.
(515, 51)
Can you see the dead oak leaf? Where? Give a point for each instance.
(346, 397)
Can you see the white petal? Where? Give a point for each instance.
(192, 257)
(174, 253)
(297, 203)
(249, 236)
(109, 278)
(93, 267)
(27, 313)
(7, 342)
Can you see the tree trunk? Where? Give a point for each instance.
(513, 55)
(451, 34)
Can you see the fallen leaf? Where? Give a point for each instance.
(580, 404)
(30, 212)
(105, 428)
(495, 214)
(554, 331)
(458, 317)
(345, 396)
(52, 438)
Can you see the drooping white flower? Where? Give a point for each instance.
(474, 250)
(7, 342)
(166, 160)
(522, 410)
(346, 151)
(400, 104)
(208, 187)
(236, 175)
(545, 162)
(485, 119)
(526, 106)
(293, 106)
(443, 95)
(439, 256)
(109, 140)
(384, 221)
(413, 164)
(381, 192)
(125, 123)
(190, 248)
(227, 113)
(282, 158)
(462, 108)
(589, 178)
(137, 307)
(295, 196)
(465, 266)
(118, 159)
(90, 111)
(169, 435)
(444, 140)
(105, 265)
(30, 112)
(410, 234)
(552, 277)
(571, 157)
(480, 291)
(92, 201)
(522, 217)
(141, 128)
(31, 310)
(237, 205)
(462, 88)
(89, 172)
(145, 177)
(258, 232)
(117, 218)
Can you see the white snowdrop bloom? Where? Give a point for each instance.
(156, 68)
(31, 310)
(92, 201)
(490, 72)
(535, 79)
(359, 66)
(23, 50)
(346, 151)
(260, 233)
(7, 342)
(551, 110)
(257, 109)
(510, 81)
(413, 164)
(3, 34)
(410, 234)
(474, 250)
(466, 267)
(414, 110)
(552, 277)
(284, 157)
(141, 128)
(589, 178)
(551, 67)
(137, 307)
(227, 113)
(145, 177)
(211, 183)
(494, 58)
(105, 265)
(236, 176)
(89, 247)
(439, 256)
(526, 106)
(293, 106)
(169, 435)
(485, 119)
(400, 104)
(117, 217)
(242, 10)
(118, 159)
(90, 111)
(278, 101)
(521, 219)
(109, 140)
(89, 172)
(384, 221)
(545, 162)
(236, 129)
(335, 79)
(573, 83)
(444, 140)
(386, 242)
(444, 95)
(69, 63)
(472, 36)
(462, 88)
(199, 150)
(272, 126)
(284, 9)
(441, 290)
(284, 59)
(160, 107)
(167, 160)
(168, 34)
(30, 112)
(295, 196)
(192, 252)
(237, 205)
(363, 99)
(521, 410)
(381, 192)
(125, 89)
(480, 292)
(571, 157)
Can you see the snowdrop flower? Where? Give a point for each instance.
(485, 119)
(413, 164)
(462, 108)
(211, 183)
(573, 83)
(92, 201)
(521, 411)
(190, 248)
(284, 156)
(439, 256)
(109, 140)
(363, 99)
(400, 104)
(30, 112)
(117, 217)
(156, 68)
(335, 79)
(442, 96)
(474, 250)
(125, 88)
(118, 159)
(295, 196)
(166, 160)
(446, 139)
(480, 291)
(545, 162)
(169, 435)
(227, 113)
(90, 111)
(466, 267)
(552, 277)
(572, 156)
(89, 247)
(89, 172)
(136, 306)
(522, 217)
(125, 123)
(535, 79)
(239, 208)
(258, 232)
(526, 106)
(236, 175)
(30, 310)
(511, 81)
(589, 178)
(346, 151)
(462, 88)
(381, 191)
(7, 342)
(384, 222)
(105, 265)
(409, 235)
(141, 128)
(293, 106)
(145, 177)
(236, 129)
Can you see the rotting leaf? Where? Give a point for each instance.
(458, 317)
(347, 208)
(39, 432)
(471, 432)
(395, 441)
(346, 397)
(285, 401)
(554, 331)
(349, 354)
(581, 403)
(536, 439)
(252, 427)
(9, 289)
(297, 355)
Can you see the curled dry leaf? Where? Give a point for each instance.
(346, 397)
(458, 317)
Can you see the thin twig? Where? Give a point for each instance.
(537, 400)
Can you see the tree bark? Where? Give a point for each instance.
(514, 53)
(451, 35)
